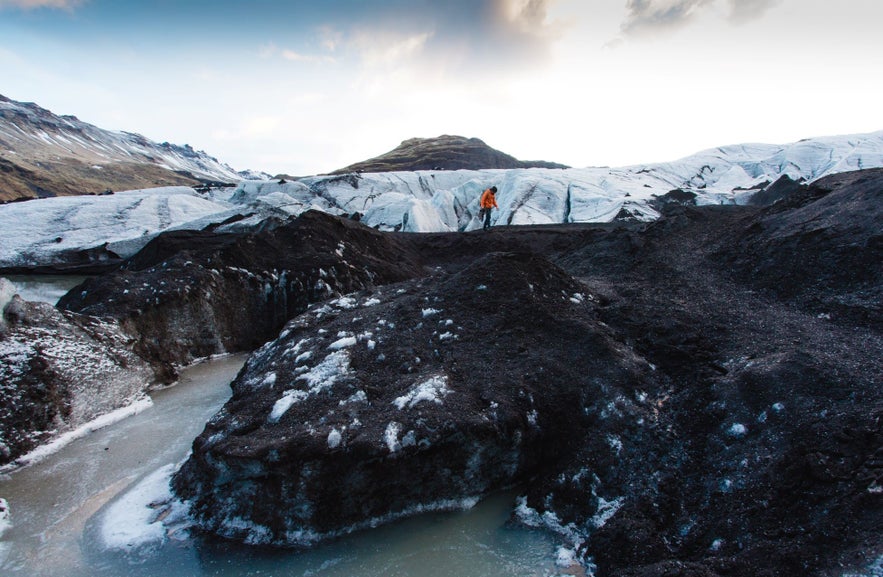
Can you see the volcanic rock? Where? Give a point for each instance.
(192, 294)
(444, 152)
(418, 396)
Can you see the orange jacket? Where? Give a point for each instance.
(488, 200)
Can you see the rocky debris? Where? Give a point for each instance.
(192, 294)
(416, 396)
(820, 247)
(444, 152)
(768, 194)
(746, 440)
(59, 371)
(699, 395)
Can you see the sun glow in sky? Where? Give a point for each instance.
(307, 87)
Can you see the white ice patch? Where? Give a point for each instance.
(615, 443)
(334, 439)
(285, 402)
(430, 391)
(318, 379)
(391, 436)
(429, 312)
(371, 302)
(606, 510)
(5, 521)
(345, 303)
(357, 397)
(532, 518)
(131, 523)
(778, 407)
(342, 343)
(875, 569)
(565, 558)
(532, 417)
(326, 373)
(737, 430)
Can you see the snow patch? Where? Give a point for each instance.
(334, 439)
(5, 521)
(391, 436)
(430, 390)
(606, 510)
(318, 379)
(281, 406)
(43, 451)
(342, 343)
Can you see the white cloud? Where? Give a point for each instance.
(379, 50)
(34, 4)
(311, 58)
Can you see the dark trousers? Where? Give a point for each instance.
(487, 217)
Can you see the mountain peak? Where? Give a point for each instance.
(445, 152)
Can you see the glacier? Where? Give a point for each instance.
(41, 232)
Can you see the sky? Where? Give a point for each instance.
(304, 88)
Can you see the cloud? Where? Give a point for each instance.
(460, 37)
(34, 4)
(647, 16)
(742, 11)
(311, 58)
(651, 16)
(385, 50)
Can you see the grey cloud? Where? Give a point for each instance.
(471, 37)
(646, 16)
(649, 16)
(745, 10)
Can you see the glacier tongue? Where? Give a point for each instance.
(437, 201)
(426, 201)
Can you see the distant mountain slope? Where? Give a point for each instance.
(44, 155)
(444, 152)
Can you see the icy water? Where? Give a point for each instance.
(59, 506)
(44, 288)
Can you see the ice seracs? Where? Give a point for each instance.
(430, 201)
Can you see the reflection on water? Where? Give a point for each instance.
(58, 504)
(44, 288)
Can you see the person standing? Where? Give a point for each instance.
(487, 202)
